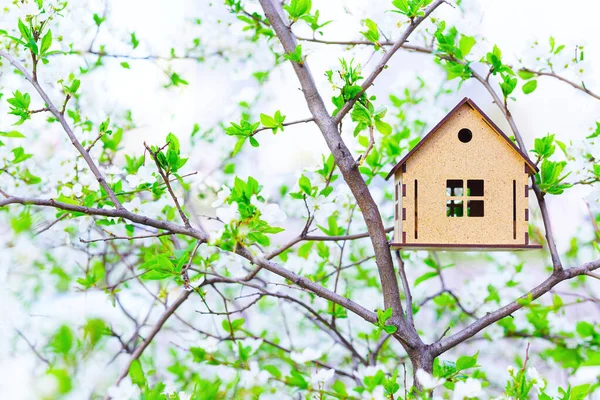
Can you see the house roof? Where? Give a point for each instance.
(532, 167)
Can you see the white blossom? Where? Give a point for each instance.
(427, 380)
(133, 205)
(254, 376)
(77, 190)
(222, 195)
(27, 8)
(185, 396)
(322, 376)
(89, 180)
(538, 381)
(322, 208)
(469, 388)
(254, 344)
(125, 390)
(227, 214)
(210, 344)
(143, 175)
(271, 213)
(66, 191)
(309, 354)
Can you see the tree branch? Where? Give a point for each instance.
(306, 283)
(122, 213)
(471, 330)
(300, 121)
(167, 182)
(386, 58)
(565, 80)
(352, 176)
(556, 262)
(155, 329)
(63, 122)
(406, 286)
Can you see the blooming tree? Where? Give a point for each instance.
(206, 281)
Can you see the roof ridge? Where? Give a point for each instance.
(487, 119)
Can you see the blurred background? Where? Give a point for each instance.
(216, 87)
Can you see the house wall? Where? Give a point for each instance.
(486, 156)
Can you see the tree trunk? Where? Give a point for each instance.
(421, 358)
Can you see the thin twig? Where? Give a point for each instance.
(32, 347)
(126, 237)
(66, 128)
(167, 182)
(405, 284)
(300, 121)
(563, 79)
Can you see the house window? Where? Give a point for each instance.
(475, 187)
(454, 187)
(463, 201)
(454, 208)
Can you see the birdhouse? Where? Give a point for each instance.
(464, 186)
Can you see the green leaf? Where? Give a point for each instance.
(134, 41)
(19, 155)
(267, 121)
(273, 370)
(24, 30)
(295, 56)
(390, 329)
(125, 65)
(238, 146)
(198, 354)
(340, 388)
(304, 250)
(64, 380)
(530, 86)
(173, 142)
(235, 325)
(177, 80)
(372, 32)
(525, 74)
(466, 362)
(298, 8)
(509, 84)
(46, 42)
(425, 277)
(579, 392)
(305, 185)
(544, 147)
(585, 329)
(74, 86)
(12, 134)
(93, 330)
(98, 19)
(465, 44)
(136, 373)
(62, 341)
(253, 142)
(383, 127)
(596, 132)
(401, 5)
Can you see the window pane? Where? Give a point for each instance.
(475, 208)
(454, 187)
(454, 208)
(475, 187)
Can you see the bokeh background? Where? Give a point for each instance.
(521, 28)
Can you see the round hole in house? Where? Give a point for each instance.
(465, 135)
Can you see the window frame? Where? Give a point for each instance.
(463, 194)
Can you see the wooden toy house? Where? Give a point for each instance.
(463, 186)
